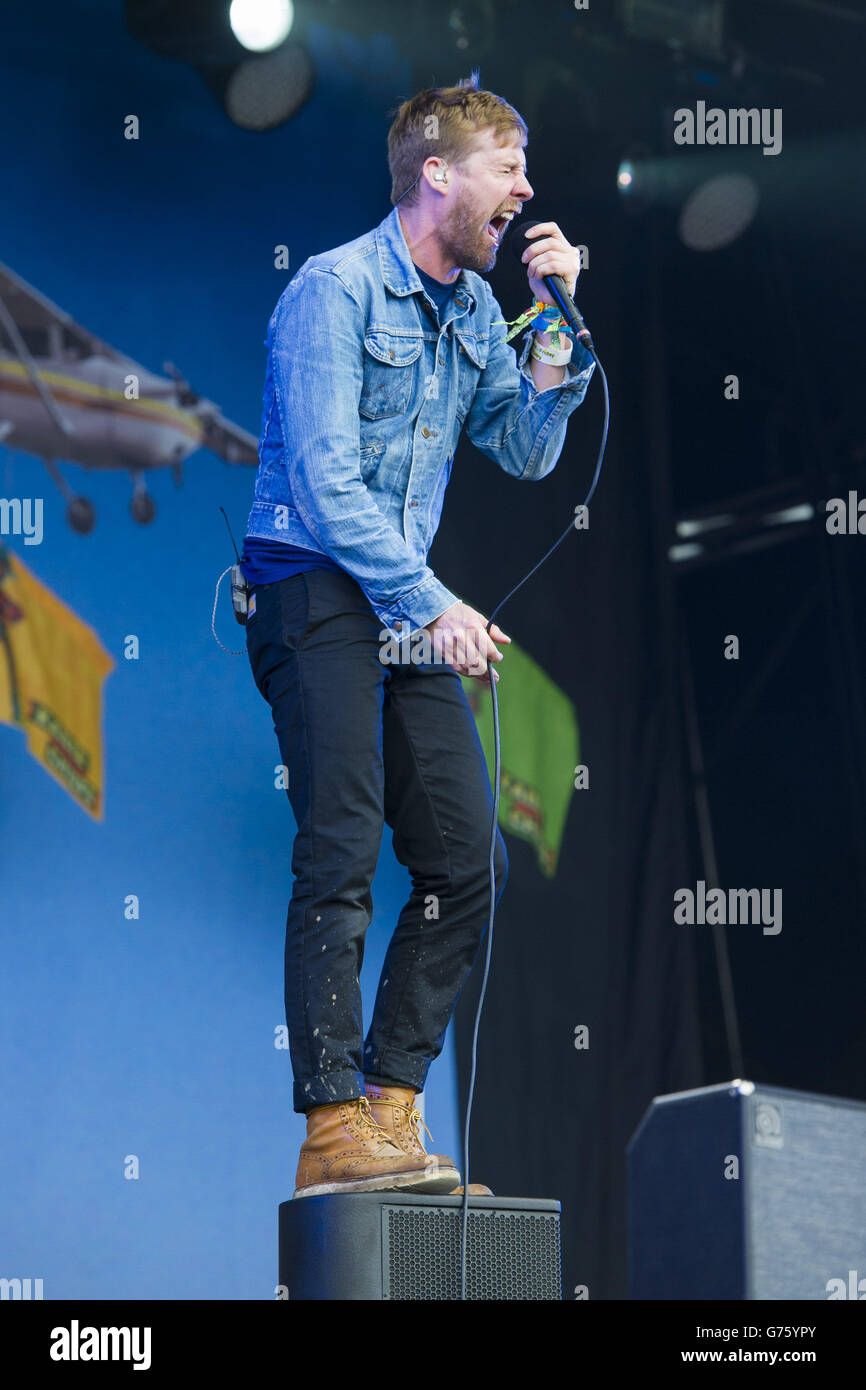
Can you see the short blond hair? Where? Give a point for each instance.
(444, 121)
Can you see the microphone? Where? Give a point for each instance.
(554, 284)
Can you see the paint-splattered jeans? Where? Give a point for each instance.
(367, 744)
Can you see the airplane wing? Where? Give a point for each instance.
(33, 313)
(229, 441)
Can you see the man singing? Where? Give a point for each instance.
(381, 352)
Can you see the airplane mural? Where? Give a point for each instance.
(67, 396)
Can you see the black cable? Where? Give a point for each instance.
(231, 533)
(493, 827)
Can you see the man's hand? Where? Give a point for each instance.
(550, 254)
(460, 637)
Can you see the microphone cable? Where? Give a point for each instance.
(493, 828)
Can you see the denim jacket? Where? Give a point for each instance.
(366, 395)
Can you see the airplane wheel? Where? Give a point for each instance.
(143, 508)
(81, 515)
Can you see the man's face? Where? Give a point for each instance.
(485, 188)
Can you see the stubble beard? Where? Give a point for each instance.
(465, 242)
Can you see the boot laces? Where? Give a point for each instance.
(366, 1117)
(414, 1120)
(413, 1115)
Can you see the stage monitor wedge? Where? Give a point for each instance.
(744, 1191)
(390, 1245)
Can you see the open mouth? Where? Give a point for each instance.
(497, 225)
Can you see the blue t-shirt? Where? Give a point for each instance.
(265, 561)
(439, 293)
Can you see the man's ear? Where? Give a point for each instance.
(440, 175)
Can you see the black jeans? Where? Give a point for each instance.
(365, 744)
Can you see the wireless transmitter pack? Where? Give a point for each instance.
(243, 597)
(241, 590)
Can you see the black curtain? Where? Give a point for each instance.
(597, 945)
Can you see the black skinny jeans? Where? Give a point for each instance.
(364, 744)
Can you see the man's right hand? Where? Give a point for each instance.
(461, 639)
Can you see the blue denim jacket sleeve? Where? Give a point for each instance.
(317, 361)
(510, 420)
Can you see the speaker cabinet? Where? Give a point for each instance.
(390, 1245)
(742, 1191)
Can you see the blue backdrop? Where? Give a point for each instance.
(155, 1037)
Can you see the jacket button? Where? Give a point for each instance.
(428, 434)
(390, 354)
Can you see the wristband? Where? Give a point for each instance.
(550, 356)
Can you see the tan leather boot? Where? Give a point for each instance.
(347, 1151)
(393, 1107)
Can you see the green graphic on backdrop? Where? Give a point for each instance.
(540, 746)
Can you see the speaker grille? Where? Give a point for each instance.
(509, 1255)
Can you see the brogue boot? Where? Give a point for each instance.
(393, 1107)
(346, 1150)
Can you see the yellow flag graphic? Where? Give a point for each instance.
(52, 669)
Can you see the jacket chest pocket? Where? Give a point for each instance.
(389, 373)
(471, 361)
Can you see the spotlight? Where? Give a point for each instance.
(239, 50)
(261, 25)
(631, 178)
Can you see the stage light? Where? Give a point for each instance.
(261, 25)
(688, 528)
(754, 526)
(678, 553)
(239, 51)
(790, 516)
(630, 178)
